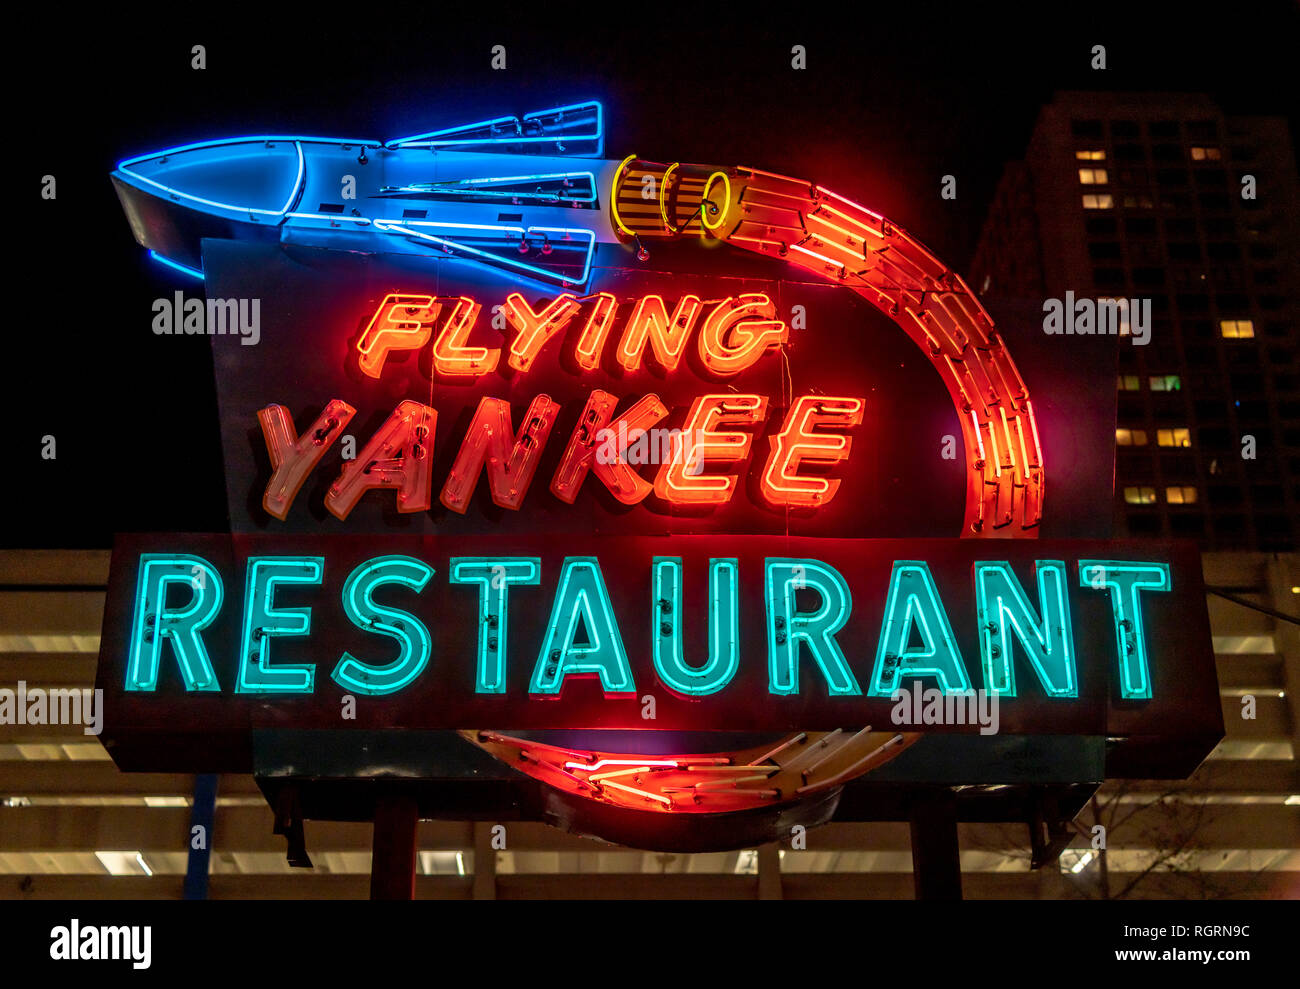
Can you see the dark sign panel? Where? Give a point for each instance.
(211, 637)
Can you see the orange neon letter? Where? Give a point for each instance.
(292, 456)
(649, 322)
(511, 460)
(738, 332)
(399, 455)
(451, 355)
(594, 334)
(781, 484)
(402, 322)
(682, 480)
(534, 329)
(591, 447)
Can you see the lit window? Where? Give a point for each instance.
(1166, 382)
(1130, 437)
(1206, 154)
(1180, 495)
(1140, 496)
(1102, 201)
(1130, 382)
(1173, 437)
(1237, 329)
(1090, 155)
(1120, 308)
(1093, 176)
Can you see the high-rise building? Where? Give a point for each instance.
(1167, 198)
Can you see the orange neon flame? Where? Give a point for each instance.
(649, 322)
(397, 456)
(781, 484)
(402, 322)
(535, 329)
(738, 332)
(596, 332)
(511, 459)
(293, 457)
(592, 433)
(451, 355)
(681, 481)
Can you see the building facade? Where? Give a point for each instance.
(1166, 198)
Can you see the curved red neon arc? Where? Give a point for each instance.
(824, 232)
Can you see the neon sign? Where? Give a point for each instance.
(841, 631)
(736, 333)
(565, 489)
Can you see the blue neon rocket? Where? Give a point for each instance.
(519, 193)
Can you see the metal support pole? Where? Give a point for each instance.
(202, 814)
(769, 872)
(936, 858)
(485, 863)
(392, 862)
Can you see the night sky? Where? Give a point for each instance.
(887, 105)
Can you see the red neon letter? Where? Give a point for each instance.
(294, 456)
(402, 322)
(397, 456)
(781, 485)
(534, 329)
(649, 321)
(750, 322)
(451, 356)
(596, 332)
(682, 480)
(511, 460)
(591, 435)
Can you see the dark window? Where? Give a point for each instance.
(1267, 495)
(1187, 525)
(1124, 128)
(1144, 525)
(1103, 249)
(1163, 128)
(1100, 226)
(1085, 128)
(1214, 438)
(1224, 497)
(1184, 252)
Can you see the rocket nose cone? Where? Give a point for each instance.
(244, 177)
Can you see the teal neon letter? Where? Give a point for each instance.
(786, 627)
(666, 628)
(263, 621)
(494, 576)
(154, 622)
(582, 594)
(1126, 581)
(416, 647)
(1000, 601)
(914, 598)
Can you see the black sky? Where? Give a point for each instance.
(888, 104)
